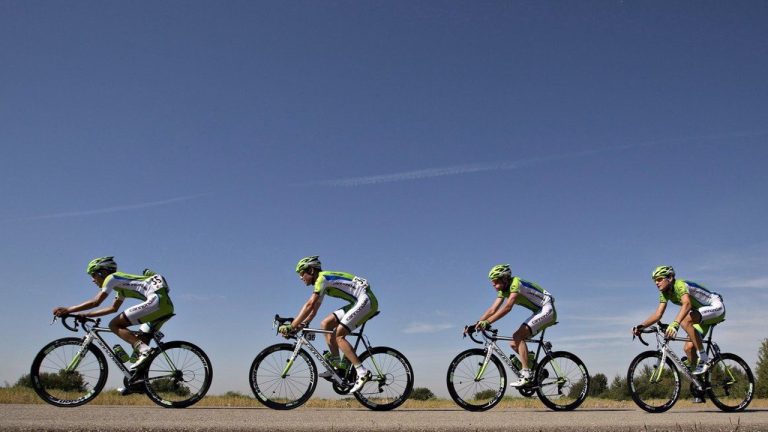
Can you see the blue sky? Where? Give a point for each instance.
(413, 143)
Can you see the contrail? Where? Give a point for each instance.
(109, 209)
(508, 165)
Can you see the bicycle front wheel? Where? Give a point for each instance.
(280, 382)
(731, 383)
(177, 375)
(562, 381)
(65, 375)
(392, 379)
(472, 384)
(654, 386)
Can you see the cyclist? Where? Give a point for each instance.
(700, 309)
(150, 288)
(362, 305)
(526, 294)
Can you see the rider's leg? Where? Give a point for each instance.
(119, 326)
(329, 323)
(156, 306)
(694, 317)
(691, 352)
(346, 347)
(518, 343)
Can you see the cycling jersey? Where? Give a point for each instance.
(341, 285)
(362, 303)
(709, 304)
(152, 290)
(529, 295)
(133, 286)
(699, 295)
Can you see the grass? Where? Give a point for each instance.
(17, 395)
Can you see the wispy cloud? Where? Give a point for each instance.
(509, 165)
(759, 283)
(420, 327)
(114, 209)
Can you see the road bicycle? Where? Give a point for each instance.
(284, 376)
(72, 371)
(654, 376)
(477, 379)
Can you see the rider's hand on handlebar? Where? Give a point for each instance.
(482, 325)
(285, 329)
(636, 329)
(60, 311)
(672, 329)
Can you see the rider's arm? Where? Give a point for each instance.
(655, 317)
(685, 307)
(491, 310)
(308, 311)
(88, 304)
(501, 311)
(106, 311)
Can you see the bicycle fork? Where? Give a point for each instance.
(656, 376)
(78, 357)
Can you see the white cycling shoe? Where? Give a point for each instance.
(702, 367)
(525, 378)
(140, 361)
(361, 382)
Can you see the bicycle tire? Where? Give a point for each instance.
(654, 397)
(728, 388)
(68, 389)
(466, 391)
(561, 381)
(280, 392)
(392, 380)
(177, 375)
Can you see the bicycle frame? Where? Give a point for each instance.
(491, 349)
(662, 345)
(93, 336)
(303, 338)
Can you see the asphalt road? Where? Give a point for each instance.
(143, 418)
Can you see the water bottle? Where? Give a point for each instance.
(120, 353)
(532, 360)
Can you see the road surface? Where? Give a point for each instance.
(148, 418)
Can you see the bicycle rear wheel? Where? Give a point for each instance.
(279, 383)
(63, 377)
(469, 388)
(178, 375)
(654, 386)
(392, 380)
(731, 383)
(562, 381)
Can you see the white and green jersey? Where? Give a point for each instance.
(133, 286)
(529, 295)
(342, 285)
(700, 296)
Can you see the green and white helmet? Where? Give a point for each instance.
(664, 271)
(103, 263)
(308, 262)
(500, 271)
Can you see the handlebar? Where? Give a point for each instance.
(659, 327)
(278, 321)
(470, 330)
(77, 320)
